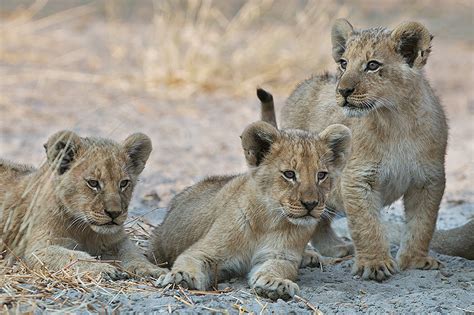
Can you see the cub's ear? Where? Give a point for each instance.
(341, 30)
(138, 147)
(413, 42)
(257, 140)
(338, 138)
(61, 150)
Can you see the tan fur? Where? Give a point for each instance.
(399, 141)
(52, 217)
(458, 241)
(254, 223)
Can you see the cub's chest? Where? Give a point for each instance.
(400, 166)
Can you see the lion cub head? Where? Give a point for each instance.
(378, 68)
(93, 178)
(295, 170)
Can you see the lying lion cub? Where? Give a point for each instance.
(73, 207)
(258, 222)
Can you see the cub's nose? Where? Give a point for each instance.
(346, 92)
(113, 213)
(309, 205)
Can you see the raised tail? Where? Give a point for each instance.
(267, 107)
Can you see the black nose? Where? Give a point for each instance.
(113, 214)
(346, 92)
(309, 205)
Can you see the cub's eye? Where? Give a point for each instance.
(322, 175)
(124, 184)
(373, 65)
(289, 174)
(93, 184)
(343, 64)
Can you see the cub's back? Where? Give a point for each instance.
(312, 105)
(10, 175)
(189, 217)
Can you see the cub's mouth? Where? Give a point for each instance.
(353, 110)
(110, 227)
(110, 223)
(306, 219)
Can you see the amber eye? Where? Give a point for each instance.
(343, 64)
(373, 65)
(289, 174)
(322, 175)
(124, 184)
(93, 184)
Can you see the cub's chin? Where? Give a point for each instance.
(306, 220)
(106, 229)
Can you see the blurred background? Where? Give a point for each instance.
(185, 73)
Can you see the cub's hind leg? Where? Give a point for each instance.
(421, 212)
(328, 243)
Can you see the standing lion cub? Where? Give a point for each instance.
(257, 223)
(73, 207)
(399, 142)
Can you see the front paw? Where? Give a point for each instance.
(424, 262)
(180, 278)
(141, 269)
(275, 288)
(106, 271)
(374, 269)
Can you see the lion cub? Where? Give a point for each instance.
(257, 223)
(73, 207)
(399, 133)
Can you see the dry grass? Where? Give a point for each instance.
(185, 48)
(23, 289)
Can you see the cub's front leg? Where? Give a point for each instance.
(135, 262)
(56, 257)
(421, 211)
(273, 277)
(193, 269)
(363, 203)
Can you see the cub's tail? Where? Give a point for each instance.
(453, 242)
(267, 107)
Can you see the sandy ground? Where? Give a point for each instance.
(197, 137)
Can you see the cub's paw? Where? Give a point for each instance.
(379, 270)
(275, 288)
(106, 271)
(145, 269)
(311, 258)
(426, 263)
(181, 278)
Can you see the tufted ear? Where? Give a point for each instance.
(338, 138)
(138, 147)
(61, 150)
(257, 140)
(413, 42)
(341, 30)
